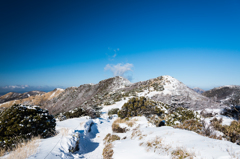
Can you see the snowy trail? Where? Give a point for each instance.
(91, 144)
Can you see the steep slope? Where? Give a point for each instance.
(225, 94)
(86, 95)
(37, 99)
(15, 96)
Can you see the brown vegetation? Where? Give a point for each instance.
(23, 150)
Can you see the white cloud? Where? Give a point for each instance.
(119, 69)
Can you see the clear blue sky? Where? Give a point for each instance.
(71, 42)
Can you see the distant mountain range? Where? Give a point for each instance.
(25, 88)
(28, 98)
(198, 90)
(16, 96)
(107, 92)
(225, 94)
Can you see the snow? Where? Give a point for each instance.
(60, 89)
(52, 95)
(91, 133)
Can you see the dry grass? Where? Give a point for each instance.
(108, 151)
(157, 146)
(64, 131)
(129, 123)
(110, 138)
(116, 127)
(25, 149)
(136, 133)
(181, 153)
(2, 152)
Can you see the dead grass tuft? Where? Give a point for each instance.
(136, 132)
(110, 138)
(2, 152)
(181, 153)
(25, 149)
(129, 123)
(108, 151)
(116, 127)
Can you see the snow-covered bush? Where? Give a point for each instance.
(192, 125)
(77, 112)
(139, 106)
(179, 115)
(113, 111)
(233, 111)
(157, 87)
(19, 123)
(231, 133)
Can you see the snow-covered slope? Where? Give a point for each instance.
(224, 94)
(143, 140)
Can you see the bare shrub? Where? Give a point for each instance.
(25, 149)
(113, 111)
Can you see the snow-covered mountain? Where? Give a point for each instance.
(187, 134)
(164, 88)
(225, 94)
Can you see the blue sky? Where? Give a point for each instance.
(69, 43)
